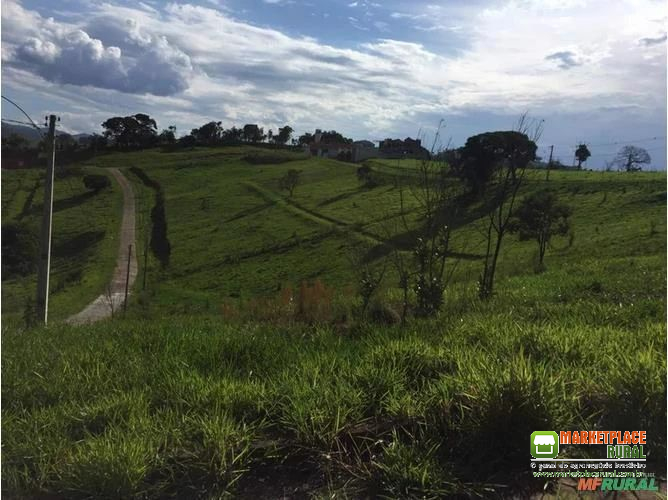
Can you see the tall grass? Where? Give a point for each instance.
(191, 406)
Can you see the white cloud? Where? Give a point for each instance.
(403, 15)
(200, 63)
(66, 54)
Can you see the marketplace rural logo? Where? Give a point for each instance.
(625, 450)
(619, 444)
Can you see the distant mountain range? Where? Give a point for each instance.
(32, 135)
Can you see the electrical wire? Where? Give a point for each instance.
(616, 143)
(60, 168)
(17, 122)
(26, 114)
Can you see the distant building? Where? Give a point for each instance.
(328, 149)
(408, 148)
(324, 146)
(363, 150)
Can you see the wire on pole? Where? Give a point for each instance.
(26, 114)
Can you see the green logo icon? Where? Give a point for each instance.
(544, 444)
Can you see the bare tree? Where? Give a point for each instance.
(400, 260)
(508, 171)
(437, 209)
(290, 181)
(369, 278)
(630, 158)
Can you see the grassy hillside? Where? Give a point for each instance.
(233, 233)
(85, 229)
(221, 383)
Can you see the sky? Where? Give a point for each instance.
(593, 71)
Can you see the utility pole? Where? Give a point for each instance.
(549, 164)
(45, 236)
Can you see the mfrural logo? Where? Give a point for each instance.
(544, 444)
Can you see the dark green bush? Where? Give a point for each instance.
(96, 182)
(160, 245)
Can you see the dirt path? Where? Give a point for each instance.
(103, 306)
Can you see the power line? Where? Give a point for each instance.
(615, 154)
(17, 121)
(26, 114)
(616, 143)
(629, 141)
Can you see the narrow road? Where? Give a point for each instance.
(112, 301)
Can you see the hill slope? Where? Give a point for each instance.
(234, 233)
(194, 401)
(84, 244)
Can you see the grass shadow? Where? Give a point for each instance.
(82, 243)
(66, 203)
(339, 197)
(250, 211)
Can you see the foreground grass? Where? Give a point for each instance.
(193, 406)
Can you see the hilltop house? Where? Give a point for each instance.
(342, 150)
(328, 149)
(363, 150)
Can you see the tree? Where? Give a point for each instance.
(484, 155)
(509, 153)
(270, 136)
(136, 131)
(290, 180)
(168, 135)
(333, 136)
(187, 141)
(539, 217)
(233, 135)
(146, 130)
(582, 153)
(96, 182)
(208, 134)
(97, 142)
(14, 143)
(284, 134)
(630, 158)
(436, 207)
(306, 138)
(252, 133)
(65, 142)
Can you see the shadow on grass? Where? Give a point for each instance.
(81, 244)
(70, 202)
(249, 211)
(342, 196)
